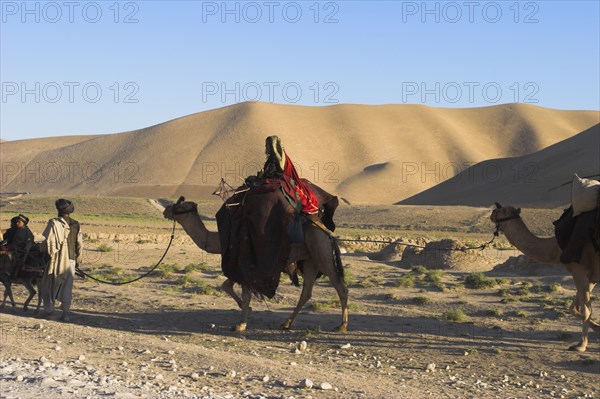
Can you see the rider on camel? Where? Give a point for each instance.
(279, 163)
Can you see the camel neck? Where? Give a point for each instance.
(543, 250)
(194, 226)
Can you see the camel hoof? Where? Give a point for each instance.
(343, 328)
(578, 348)
(65, 318)
(239, 327)
(287, 325)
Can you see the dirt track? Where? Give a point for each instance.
(168, 335)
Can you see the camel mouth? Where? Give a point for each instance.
(168, 212)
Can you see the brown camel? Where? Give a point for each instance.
(546, 250)
(317, 253)
(27, 278)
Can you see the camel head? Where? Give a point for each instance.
(503, 214)
(181, 207)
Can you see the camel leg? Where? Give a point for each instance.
(595, 326)
(228, 288)
(310, 275)
(32, 292)
(340, 286)
(584, 302)
(246, 297)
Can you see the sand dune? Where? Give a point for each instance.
(367, 154)
(530, 180)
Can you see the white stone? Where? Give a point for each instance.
(306, 383)
(325, 386)
(430, 367)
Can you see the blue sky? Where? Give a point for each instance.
(107, 66)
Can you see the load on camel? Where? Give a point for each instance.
(579, 235)
(263, 230)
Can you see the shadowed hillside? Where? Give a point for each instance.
(530, 180)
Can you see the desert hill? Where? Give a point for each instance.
(529, 180)
(364, 153)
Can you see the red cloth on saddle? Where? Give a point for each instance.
(310, 204)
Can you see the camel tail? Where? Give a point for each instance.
(339, 267)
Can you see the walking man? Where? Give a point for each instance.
(64, 245)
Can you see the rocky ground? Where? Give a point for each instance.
(413, 333)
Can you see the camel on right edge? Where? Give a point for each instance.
(546, 250)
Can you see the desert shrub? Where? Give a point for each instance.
(435, 277)
(493, 313)
(479, 281)
(419, 269)
(421, 300)
(554, 287)
(504, 292)
(455, 316)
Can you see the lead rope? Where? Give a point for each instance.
(83, 273)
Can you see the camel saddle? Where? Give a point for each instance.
(258, 227)
(573, 233)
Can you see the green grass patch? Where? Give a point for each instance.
(370, 281)
(349, 278)
(104, 248)
(167, 269)
(331, 303)
(406, 280)
(196, 267)
(195, 286)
